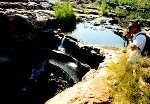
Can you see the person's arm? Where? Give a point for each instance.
(133, 46)
(129, 36)
(139, 42)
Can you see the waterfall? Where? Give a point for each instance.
(37, 71)
(61, 47)
(71, 68)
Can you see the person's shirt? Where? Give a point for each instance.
(139, 40)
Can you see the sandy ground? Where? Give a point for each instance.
(93, 87)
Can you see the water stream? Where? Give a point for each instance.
(61, 47)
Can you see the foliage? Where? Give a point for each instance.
(118, 10)
(145, 15)
(121, 11)
(138, 15)
(104, 8)
(86, 11)
(65, 15)
(127, 85)
(139, 5)
(134, 3)
(132, 14)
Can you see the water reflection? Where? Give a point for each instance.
(96, 32)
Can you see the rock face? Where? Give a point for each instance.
(85, 54)
(71, 63)
(29, 56)
(93, 89)
(15, 0)
(19, 25)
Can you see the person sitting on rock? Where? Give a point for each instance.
(136, 41)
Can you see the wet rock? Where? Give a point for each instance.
(113, 21)
(85, 54)
(43, 82)
(77, 68)
(21, 5)
(23, 27)
(14, 0)
(118, 32)
(21, 31)
(113, 4)
(43, 75)
(49, 77)
(13, 5)
(6, 37)
(30, 34)
(51, 23)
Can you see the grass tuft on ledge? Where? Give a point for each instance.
(127, 83)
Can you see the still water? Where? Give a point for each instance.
(91, 34)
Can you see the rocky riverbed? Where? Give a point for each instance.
(29, 55)
(93, 87)
(29, 44)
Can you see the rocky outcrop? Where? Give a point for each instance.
(28, 39)
(85, 54)
(93, 89)
(27, 5)
(21, 26)
(127, 7)
(79, 68)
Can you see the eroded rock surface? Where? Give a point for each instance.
(29, 36)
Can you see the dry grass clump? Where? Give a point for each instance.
(129, 82)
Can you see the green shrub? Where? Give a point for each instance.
(104, 8)
(127, 85)
(143, 4)
(138, 15)
(65, 15)
(120, 11)
(145, 15)
(117, 10)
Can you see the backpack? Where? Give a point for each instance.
(146, 50)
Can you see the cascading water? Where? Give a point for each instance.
(69, 67)
(36, 72)
(61, 47)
